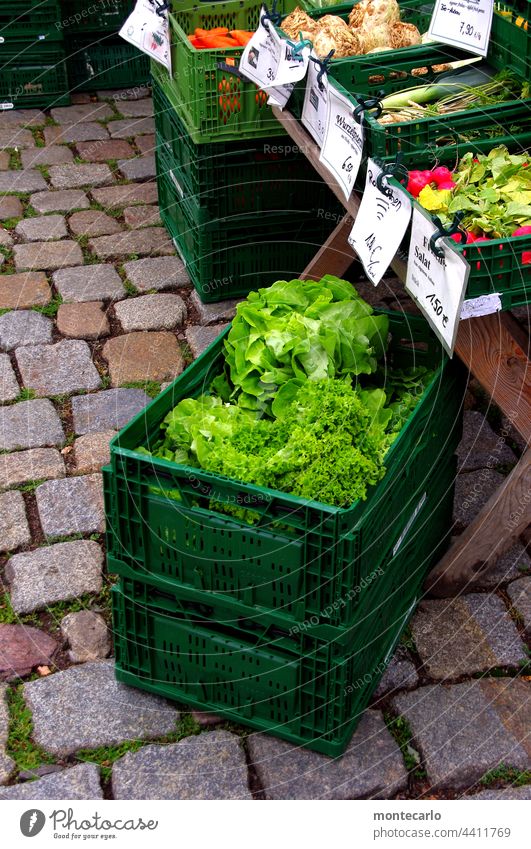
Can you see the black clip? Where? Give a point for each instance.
(273, 16)
(392, 169)
(160, 9)
(365, 105)
(324, 65)
(449, 231)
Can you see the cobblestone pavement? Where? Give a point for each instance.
(96, 312)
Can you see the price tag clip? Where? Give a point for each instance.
(442, 231)
(273, 16)
(323, 65)
(392, 169)
(366, 104)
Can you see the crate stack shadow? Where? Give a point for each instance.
(267, 609)
(32, 55)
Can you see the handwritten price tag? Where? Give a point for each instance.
(382, 220)
(261, 55)
(315, 104)
(342, 148)
(149, 31)
(463, 23)
(436, 284)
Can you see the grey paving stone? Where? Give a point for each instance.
(85, 131)
(139, 356)
(76, 782)
(81, 113)
(14, 528)
(83, 321)
(87, 634)
(35, 464)
(89, 283)
(199, 338)
(54, 573)
(214, 313)
(15, 138)
(6, 239)
(139, 168)
(372, 766)
(465, 730)
(23, 117)
(47, 256)
(472, 491)
(9, 388)
(209, 766)
(10, 207)
(71, 506)
(158, 273)
(401, 674)
(109, 409)
(103, 150)
(92, 451)
(30, 424)
(146, 144)
(29, 289)
(42, 229)
(127, 127)
(93, 222)
(27, 180)
(7, 765)
(151, 312)
(135, 108)
(59, 201)
(58, 369)
(51, 154)
(508, 567)
(480, 447)
(465, 635)
(520, 594)
(141, 216)
(75, 176)
(116, 197)
(509, 793)
(151, 241)
(85, 707)
(24, 327)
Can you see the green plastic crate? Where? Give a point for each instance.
(231, 178)
(303, 685)
(300, 556)
(228, 257)
(213, 103)
(31, 85)
(96, 63)
(109, 15)
(27, 19)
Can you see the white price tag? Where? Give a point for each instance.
(279, 96)
(315, 103)
(261, 55)
(292, 65)
(149, 31)
(436, 284)
(342, 148)
(463, 23)
(484, 305)
(382, 220)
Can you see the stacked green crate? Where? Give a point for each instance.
(98, 58)
(285, 622)
(32, 54)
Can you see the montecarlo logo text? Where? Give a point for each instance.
(65, 824)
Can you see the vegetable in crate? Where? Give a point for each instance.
(218, 38)
(373, 25)
(288, 415)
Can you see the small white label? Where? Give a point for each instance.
(176, 183)
(292, 65)
(315, 104)
(279, 96)
(409, 522)
(5, 106)
(382, 220)
(149, 31)
(261, 55)
(436, 284)
(463, 23)
(342, 148)
(484, 305)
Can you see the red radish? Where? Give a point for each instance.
(522, 231)
(470, 238)
(447, 185)
(441, 174)
(415, 186)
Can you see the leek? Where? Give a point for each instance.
(451, 82)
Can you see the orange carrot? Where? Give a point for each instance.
(214, 31)
(241, 36)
